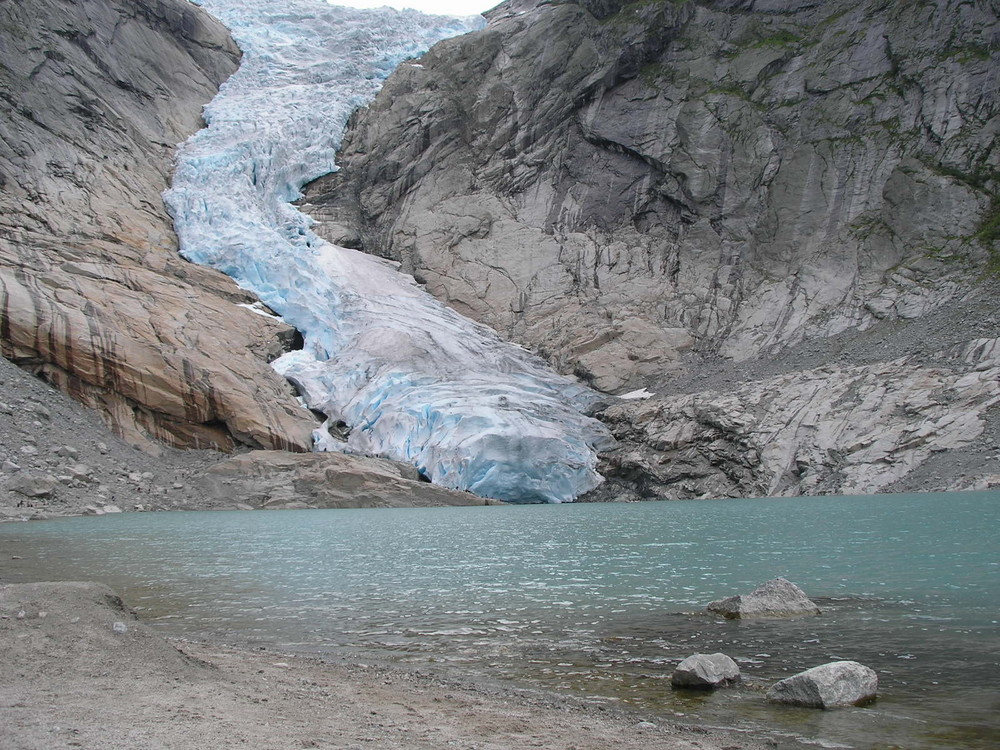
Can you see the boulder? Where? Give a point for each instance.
(705, 672)
(839, 683)
(776, 598)
(81, 472)
(35, 486)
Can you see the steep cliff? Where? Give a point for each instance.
(774, 209)
(93, 295)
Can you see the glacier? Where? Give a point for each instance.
(396, 373)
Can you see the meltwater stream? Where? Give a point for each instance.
(413, 380)
(600, 601)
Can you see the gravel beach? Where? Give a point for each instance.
(79, 670)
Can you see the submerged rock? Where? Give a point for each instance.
(705, 672)
(839, 683)
(776, 598)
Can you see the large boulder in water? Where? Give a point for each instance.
(705, 672)
(776, 598)
(839, 683)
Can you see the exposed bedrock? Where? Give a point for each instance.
(93, 295)
(829, 430)
(276, 479)
(614, 190)
(658, 194)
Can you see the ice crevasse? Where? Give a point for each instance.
(410, 378)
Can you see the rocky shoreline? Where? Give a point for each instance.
(58, 458)
(81, 671)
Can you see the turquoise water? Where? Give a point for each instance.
(597, 600)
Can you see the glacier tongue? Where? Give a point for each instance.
(397, 372)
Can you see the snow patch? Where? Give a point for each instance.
(259, 308)
(632, 395)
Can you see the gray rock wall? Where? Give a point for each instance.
(616, 191)
(93, 296)
(648, 193)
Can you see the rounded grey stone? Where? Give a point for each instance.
(705, 672)
(839, 683)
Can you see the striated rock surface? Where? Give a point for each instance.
(829, 430)
(275, 479)
(617, 184)
(775, 598)
(705, 672)
(833, 685)
(93, 296)
(781, 218)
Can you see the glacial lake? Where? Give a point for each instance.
(598, 601)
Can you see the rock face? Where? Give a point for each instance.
(93, 296)
(776, 598)
(274, 479)
(705, 672)
(617, 183)
(826, 430)
(833, 685)
(649, 193)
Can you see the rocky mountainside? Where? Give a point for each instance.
(780, 216)
(93, 295)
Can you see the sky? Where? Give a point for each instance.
(443, 7)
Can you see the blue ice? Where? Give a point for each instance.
(412, 379)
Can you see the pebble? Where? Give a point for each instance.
(120, 627)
